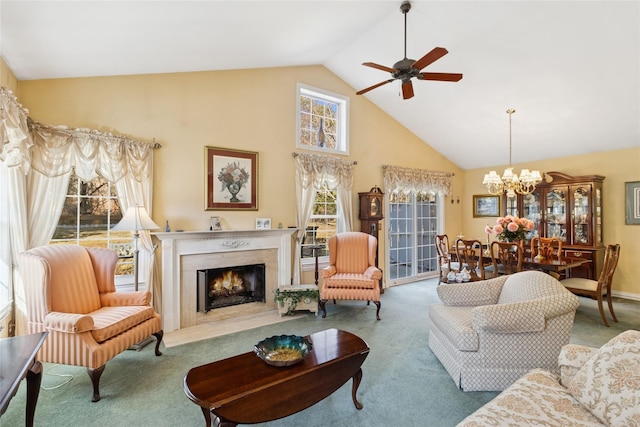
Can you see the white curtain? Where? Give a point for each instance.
(401, 180)
(14, 153)
(40, 160)
(312, 170)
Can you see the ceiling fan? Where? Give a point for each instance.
(406, 69)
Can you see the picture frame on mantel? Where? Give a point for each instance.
(231, 179)
(486, 205)
(632, 203)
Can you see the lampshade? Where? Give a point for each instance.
(136, 218)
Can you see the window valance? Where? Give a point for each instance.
(14, 131)
(314, 169)
(402, 180)
(55, 150)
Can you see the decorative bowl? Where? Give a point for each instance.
(283, 350)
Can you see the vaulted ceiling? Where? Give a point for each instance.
(571, 69)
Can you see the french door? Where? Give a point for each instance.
(413, 222)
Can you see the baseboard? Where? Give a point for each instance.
(626, 295)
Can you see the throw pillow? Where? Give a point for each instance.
(608, 384)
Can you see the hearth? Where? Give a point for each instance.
(229, 286)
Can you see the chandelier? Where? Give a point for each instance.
(510, 182)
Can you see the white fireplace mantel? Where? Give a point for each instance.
(176, 245)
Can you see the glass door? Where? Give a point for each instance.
(581, 213)
(413, 222)
(555, 221)
(531, 211)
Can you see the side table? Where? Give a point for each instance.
(17, 361)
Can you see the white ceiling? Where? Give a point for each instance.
(571, 69)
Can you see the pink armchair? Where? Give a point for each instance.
(352, 273)
(70, 292)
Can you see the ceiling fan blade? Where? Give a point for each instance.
(435, 54)
(407, 89)
(378, 66)
(445, 77)
(374, 86)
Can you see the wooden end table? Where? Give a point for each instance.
(245, 390)
(17, 361)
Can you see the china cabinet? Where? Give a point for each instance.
(569, 208)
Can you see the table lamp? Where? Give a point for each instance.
(135, 219)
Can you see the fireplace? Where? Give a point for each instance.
(186, 253)
(229, 286)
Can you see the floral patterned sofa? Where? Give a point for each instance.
(595, 387)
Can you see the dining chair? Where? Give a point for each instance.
(601, 288)
(469, 254)
(547, 248)
(506, 258)
(445, 265)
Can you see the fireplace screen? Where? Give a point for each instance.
(224, 287)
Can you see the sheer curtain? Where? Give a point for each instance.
(40, 160)
(312, 170)
(401, 180)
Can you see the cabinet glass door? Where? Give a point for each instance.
(581, 216)
(556, 215)
(511, 205)
(531, 211)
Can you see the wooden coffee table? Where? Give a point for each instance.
(245, 390)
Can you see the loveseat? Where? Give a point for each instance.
(489, 333)
(595, 387)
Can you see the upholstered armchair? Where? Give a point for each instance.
(352, 273)
(70, 293)
(489, 333)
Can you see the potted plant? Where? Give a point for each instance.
(289, 298)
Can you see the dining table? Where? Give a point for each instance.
(553, 264)
(531, 263)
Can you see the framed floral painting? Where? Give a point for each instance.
(231, 179)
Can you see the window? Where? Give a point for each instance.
(322, 224)
(90, 210)
(322, 120)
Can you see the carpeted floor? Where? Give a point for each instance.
(403, 383)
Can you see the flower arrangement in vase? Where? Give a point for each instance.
(233, 178)
(511, 228)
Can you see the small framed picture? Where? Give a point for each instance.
(215, 223)
(486, 205)
(632, 203)
(263, 223)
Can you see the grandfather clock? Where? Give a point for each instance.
(371, 211)
(370, 216)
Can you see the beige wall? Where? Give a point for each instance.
(255, 110)
(617, 167)
(244, 109)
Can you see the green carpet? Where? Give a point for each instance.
(403, 382)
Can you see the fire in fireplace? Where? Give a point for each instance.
(228, 286)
